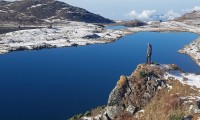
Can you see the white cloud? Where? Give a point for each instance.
(144, 15)
(170, 15)
(151, 14)
(196, 8)
(132, 14)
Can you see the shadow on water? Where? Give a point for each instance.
(55, 84)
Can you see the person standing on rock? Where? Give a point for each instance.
(149, 53)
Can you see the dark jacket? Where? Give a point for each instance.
(149, 50)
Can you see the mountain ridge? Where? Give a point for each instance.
(191, 18)
(45, 11)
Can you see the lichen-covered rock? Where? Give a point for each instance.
(131, 109)
(113, 111)
(150, 86)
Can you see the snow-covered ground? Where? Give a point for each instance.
(166, 26)
(185, 78)
(193, 50)
(71, 34)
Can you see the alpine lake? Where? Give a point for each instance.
(55, 84)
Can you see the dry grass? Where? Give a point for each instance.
(91, 113)
(122, 81)
(97, 111)
(167, 104)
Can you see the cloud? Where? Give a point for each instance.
(132, 14)
(151, 14)
(170, 15)
(196, 8)
(144, 15)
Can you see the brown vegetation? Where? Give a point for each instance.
(122, 81)
(167, 104)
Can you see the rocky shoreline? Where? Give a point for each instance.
(71, 34)
(168, 26)
(173, 26)
(193, 50)
(80, 33)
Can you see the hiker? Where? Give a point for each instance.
(149, 53)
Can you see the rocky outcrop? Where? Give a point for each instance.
(132, 93)
(152, 92)
(131, 23)
(26, 12)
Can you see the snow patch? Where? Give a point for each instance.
(185, 78)
(34, 6)
(1, 11)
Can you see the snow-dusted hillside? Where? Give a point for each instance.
(29, 12)
(166, 26)
(71, 34)
(192, 18)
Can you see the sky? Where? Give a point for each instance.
(137, 9)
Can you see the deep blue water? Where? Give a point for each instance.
(54, 84)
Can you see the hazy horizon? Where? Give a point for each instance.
(139, 9)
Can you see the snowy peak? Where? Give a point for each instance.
(39, 11)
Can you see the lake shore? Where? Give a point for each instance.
(79, 34)
(169, 26)
(173, 26)
(193, 50)
(71, 34)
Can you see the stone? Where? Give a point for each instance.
(115, 96)
(104, 116)
(113, 111)
(147, 95)
(131, 109)
(198, 104)
(93, 36)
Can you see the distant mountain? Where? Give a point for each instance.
(130, 23)
(192, 18)
(39, 11)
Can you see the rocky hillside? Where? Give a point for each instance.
(41, 11)
(192, 18)
(132, 23)
(151, 92)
